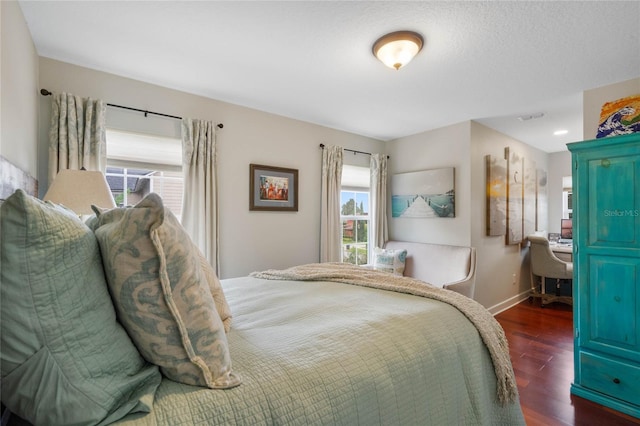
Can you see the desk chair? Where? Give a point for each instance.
(545, 264)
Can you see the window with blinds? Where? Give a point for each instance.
(139, 163)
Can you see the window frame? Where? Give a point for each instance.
(355, 217)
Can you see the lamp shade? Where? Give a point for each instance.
(79, 189)
(397, 49)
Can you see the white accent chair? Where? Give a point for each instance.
(445, 266)
(545, 264)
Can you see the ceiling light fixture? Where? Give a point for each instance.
(560, 132)
(397, 49)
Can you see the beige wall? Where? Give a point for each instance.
(249, 241)
(18, 88)
(252, 240)
(497, 262)
(560, 162)
(464, 146)
(559, 167)
(445, 147)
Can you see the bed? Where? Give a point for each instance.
(319, 352)
(335, 347)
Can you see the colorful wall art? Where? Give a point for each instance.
(273, 188)
(620, 117)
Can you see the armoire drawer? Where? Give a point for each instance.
(614, 378)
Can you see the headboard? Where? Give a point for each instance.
(13, 177)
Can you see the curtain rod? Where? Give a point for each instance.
(352, 150)
(45, 92)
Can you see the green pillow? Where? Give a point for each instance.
(162, 295)
(64, 359)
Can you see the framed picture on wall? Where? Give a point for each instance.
(273, 188)
(425, 194)
(496, 175)
(515, 192)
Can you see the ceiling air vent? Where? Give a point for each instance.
(531, 116)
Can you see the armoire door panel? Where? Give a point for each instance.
(614, 205)
(613, 302)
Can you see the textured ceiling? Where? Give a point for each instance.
(484, 61)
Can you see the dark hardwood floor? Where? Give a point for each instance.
(541, 347)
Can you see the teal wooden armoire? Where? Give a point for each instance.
(606, 284)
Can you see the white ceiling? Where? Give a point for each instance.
(312, 60)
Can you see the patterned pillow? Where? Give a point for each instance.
(161, 294)
(216, 291)
(210, 275)
(389, 260)
(64, 359)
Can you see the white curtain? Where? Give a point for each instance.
(330, 232)
(200, 199)
(378, 188)
(76, 134)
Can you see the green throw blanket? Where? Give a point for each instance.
(489, 329)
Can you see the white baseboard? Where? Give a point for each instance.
(510, 302)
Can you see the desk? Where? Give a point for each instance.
(562, 251)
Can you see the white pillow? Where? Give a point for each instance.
(389, 260)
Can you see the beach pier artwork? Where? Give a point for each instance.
(425, 194)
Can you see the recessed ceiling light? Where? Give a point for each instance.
(560, 132)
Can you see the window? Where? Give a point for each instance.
(567, 197)
(129, 186)
(138, 164)
(354, 214)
